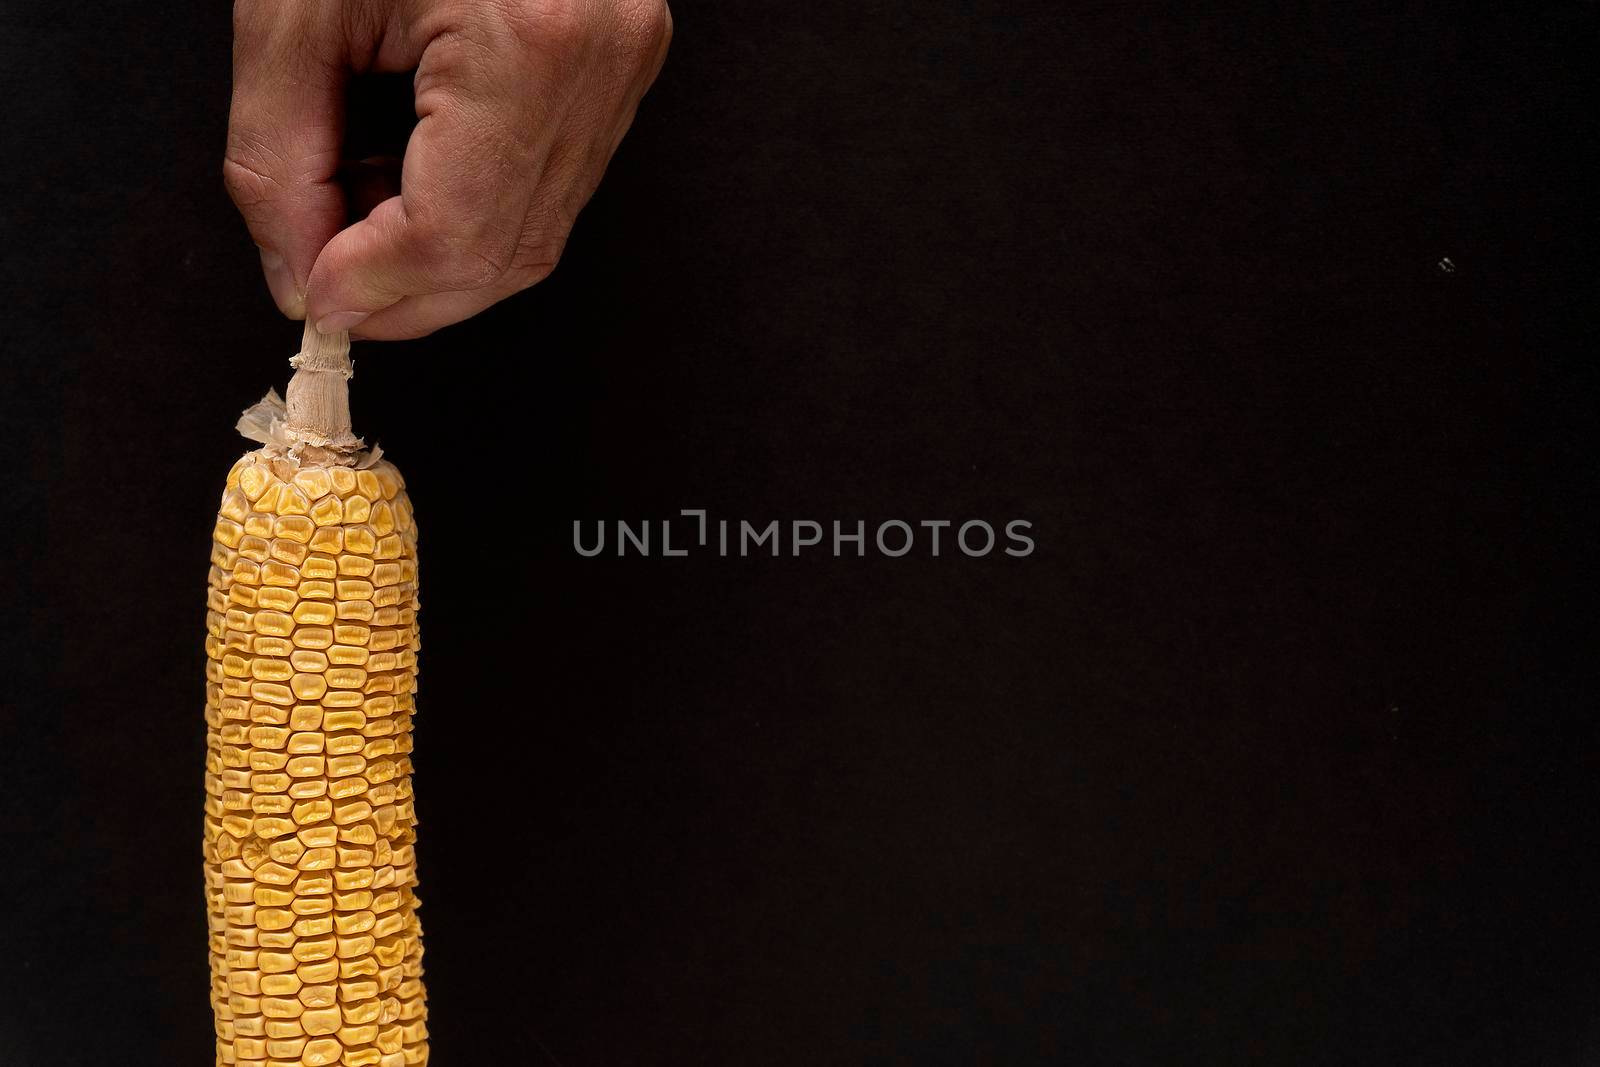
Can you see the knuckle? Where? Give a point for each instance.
(257, 165)
(546, 25)
(462, 261)
(652, 20)
(247, 178)
(535, 261)
(575, 27)
(640, 26)
(472, 267)
(465, 249)
(534, 270)
(643, 30)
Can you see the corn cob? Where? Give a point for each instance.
(316, 954)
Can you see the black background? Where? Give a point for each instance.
(1279, 749)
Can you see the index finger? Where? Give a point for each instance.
(285, 126)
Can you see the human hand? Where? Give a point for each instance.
(521, 104)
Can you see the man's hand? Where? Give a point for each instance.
(521, 104)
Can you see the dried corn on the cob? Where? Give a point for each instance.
(316, 954)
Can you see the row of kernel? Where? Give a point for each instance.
(347, 984)
(253, 684)
(322, 977)
(287, 599)
(387, 1039)
(349, 1026)
(269, 951)
(321, 566)
(260, 539)
(254, 850)
(377, 914)
(273, 815)
(276, 659)
(235, 628)
(347, 753)
(253, 475)
(237, 766)
(317, 1056)
(324, 1020)
(314, 527)
(310, 605)
(229, 805)
(274, 621)
(388, 891)
(380, 696)
(353, 809)
(295, 571)
(254, 539)
(319, 578)
(308, 525)
(228, 612)
(291, 789)
(238, 686)
(384, 816)
(277, 795)
(280, 505)
(302, 799)
(313, 613)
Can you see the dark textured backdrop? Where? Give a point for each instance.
(1280, 749)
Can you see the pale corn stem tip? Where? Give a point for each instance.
(318, 397)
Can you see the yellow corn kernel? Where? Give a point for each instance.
(289, 551)
(276, 598)
(309, 660)
(348, 655)
(254, 479)
(317, 590)
(275, 573)
(315, 613)
(227, 532)
(328, 540)
(313, 482)
(344, 480)
(389, 481)
(358, 540)
(234, 505)
(315, 950)
(313, 637)
(328, 511)
(291, 501)
(294, 526)
(368, 485)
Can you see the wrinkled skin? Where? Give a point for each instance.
(521, 104)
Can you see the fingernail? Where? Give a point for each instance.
(280, 280)
(336, 321)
